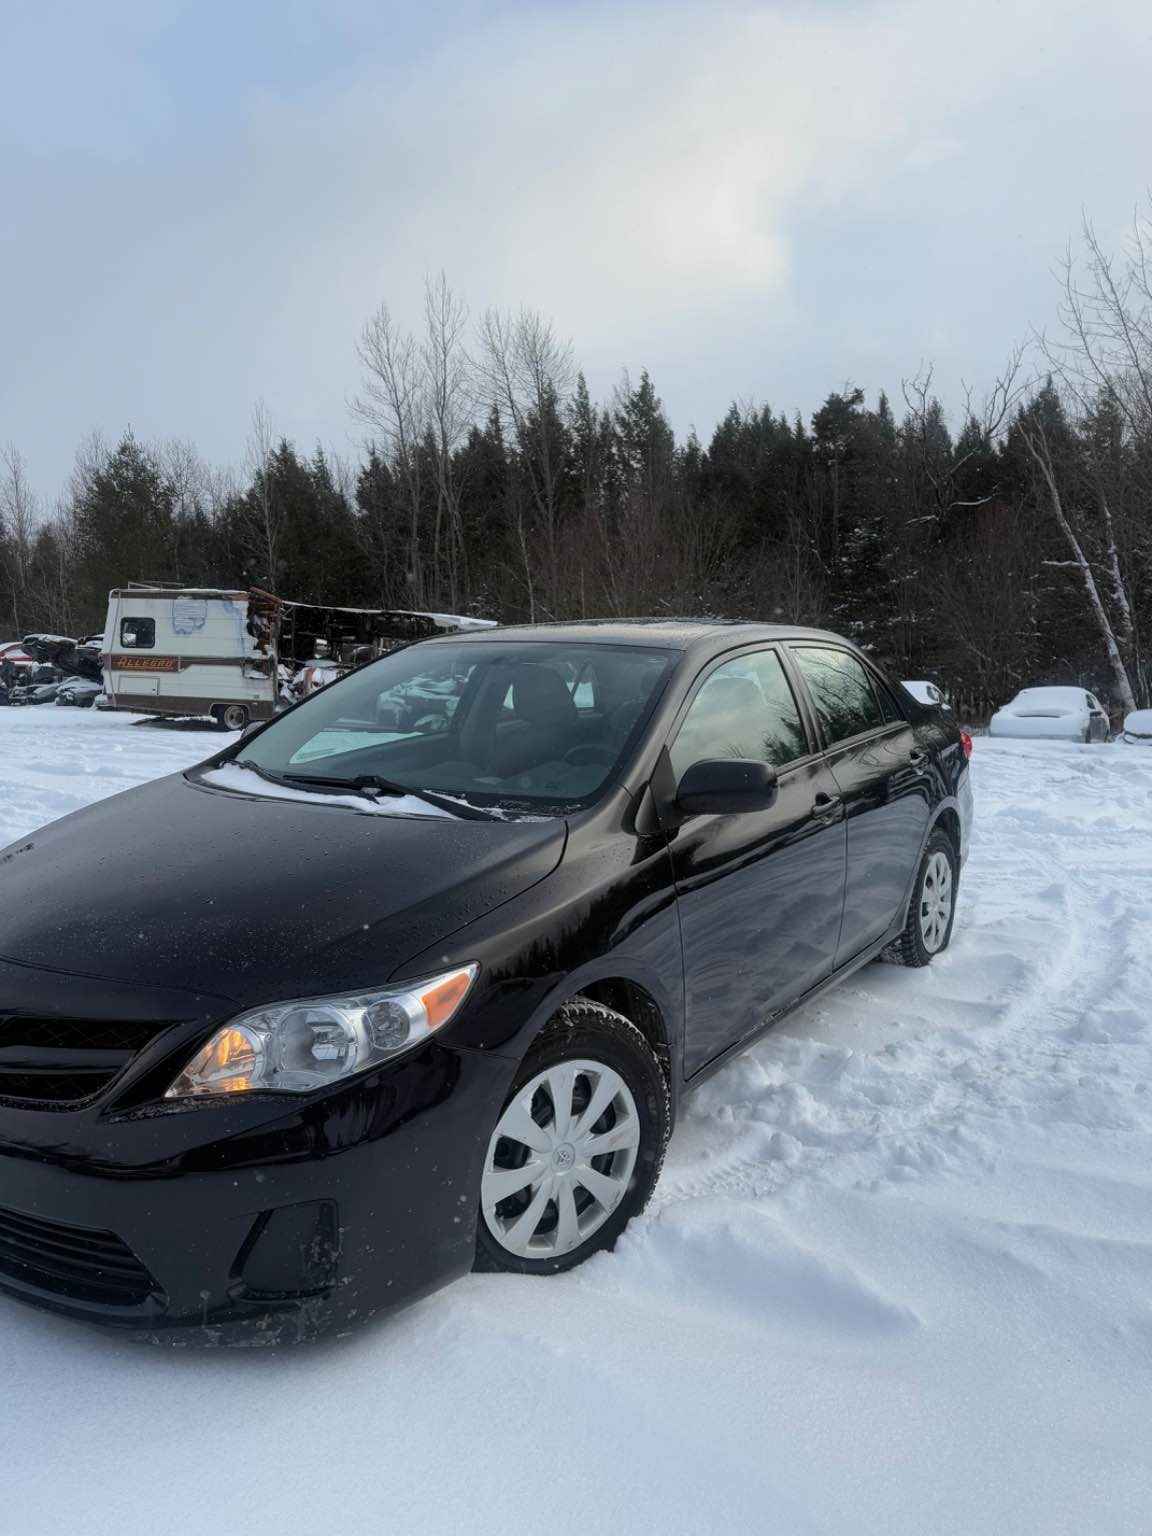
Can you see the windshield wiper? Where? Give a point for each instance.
(372, 784)
(369, 785)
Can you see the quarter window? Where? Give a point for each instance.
(137, 634)
(745, 708)
(841, 690)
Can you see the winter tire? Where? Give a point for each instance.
(578, 1146)
(932, 910)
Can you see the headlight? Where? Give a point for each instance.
(295, 1047)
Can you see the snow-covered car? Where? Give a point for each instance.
(926, 693)
(1059, 714)
(35, 693)
(78, 691)
(1137, 730)
(13, 652)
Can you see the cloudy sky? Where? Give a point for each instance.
(203, 199)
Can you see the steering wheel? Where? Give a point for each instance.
(590, 755)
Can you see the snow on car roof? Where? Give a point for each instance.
(1139, 722)
(1052, 695)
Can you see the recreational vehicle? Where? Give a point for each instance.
(234, 654)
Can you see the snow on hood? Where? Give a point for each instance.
(1068, 699)
(231, 776)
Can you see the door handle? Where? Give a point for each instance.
(826, 807)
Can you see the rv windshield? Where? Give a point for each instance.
(527, 723)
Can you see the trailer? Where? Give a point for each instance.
(235, 654)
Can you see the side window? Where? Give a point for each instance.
(137, 634)
(746, 708)
(888, 706)
(841, 690)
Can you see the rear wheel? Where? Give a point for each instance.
(578, 1146)
(233, 717)
(932, 910)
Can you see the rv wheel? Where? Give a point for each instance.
(233, 717)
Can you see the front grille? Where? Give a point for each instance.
(64, 1061)
(75, 1262)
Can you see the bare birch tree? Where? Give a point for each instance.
(1103, 361)
(266, 521)
(1037, 440)
(526, 372)
(393, 402)
(450, 395)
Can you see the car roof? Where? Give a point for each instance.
(666, 634)
(1069, 692)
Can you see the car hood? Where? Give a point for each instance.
(179, 885)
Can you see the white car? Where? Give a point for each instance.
(1060, 714)
(927, 693)
(1137, 730)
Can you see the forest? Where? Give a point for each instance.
(1010, 545)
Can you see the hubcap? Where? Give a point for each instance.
(935, 902)
(560, 1159)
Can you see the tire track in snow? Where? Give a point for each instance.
(987, 1033)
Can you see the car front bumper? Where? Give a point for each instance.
(262, 1222)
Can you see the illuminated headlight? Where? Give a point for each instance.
(298, 1046)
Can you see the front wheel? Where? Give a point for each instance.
(578, 1146)
(932, 910)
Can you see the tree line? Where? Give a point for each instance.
(1010, 546)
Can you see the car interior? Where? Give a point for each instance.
(509, 726)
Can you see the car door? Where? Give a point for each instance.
(760, 894)
(884, 777)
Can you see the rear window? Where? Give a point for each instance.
(137, 634)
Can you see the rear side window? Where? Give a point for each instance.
(137, 634)
(888, 706)
(841, 690)
(746, 708)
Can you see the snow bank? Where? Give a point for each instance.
(895, 1280)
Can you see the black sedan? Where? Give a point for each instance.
(306, 1032)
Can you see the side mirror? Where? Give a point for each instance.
(725, 786)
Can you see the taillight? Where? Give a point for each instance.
(966, 742)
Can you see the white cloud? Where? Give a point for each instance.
(757, 199)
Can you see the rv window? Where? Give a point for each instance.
(137, 633)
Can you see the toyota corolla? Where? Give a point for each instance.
(361, 1004)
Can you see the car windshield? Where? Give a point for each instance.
(522, 724)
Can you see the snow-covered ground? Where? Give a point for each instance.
(897, 1277)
